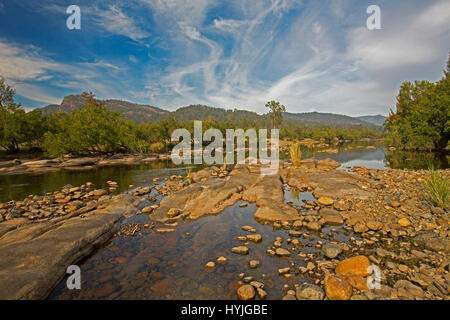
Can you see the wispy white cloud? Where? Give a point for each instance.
(115, 21)
(310, 55)
(23, 63)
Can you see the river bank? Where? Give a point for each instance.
(275, 245)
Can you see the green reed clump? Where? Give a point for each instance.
(296, 154)
(438, 188)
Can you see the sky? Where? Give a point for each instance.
(310, 55)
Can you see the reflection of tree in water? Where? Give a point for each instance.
(417, 160)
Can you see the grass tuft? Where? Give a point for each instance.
(296, 154)
(437, 186)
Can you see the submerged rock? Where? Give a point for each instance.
(243, 250)
(309, 291)
(331, 250)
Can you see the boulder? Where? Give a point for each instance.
(356, 265)
(337, 287)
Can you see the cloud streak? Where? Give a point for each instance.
(309, 55)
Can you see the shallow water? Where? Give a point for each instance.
(172, 266)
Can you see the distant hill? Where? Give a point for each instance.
(377, 120)
(143, 113)
(131, 111)
(201, 112)
(328, 118)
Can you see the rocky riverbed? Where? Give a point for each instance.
(30, 166)
(304, 233)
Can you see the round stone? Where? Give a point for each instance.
(325, 201)
(246, 292)
(309, 291)
(331, 250)
(404, 222)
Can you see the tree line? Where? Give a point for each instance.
(94, 129)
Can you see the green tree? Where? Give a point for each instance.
(275, 112)
(92, 130)
(421, 120)
(16, 126)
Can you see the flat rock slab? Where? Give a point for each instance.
(35, 256)
(333, 184)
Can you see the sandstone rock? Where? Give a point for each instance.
(273, 212)
(325, 201)
(337, 288)
(257, 238)
(314, 225)
(164, 230)
(374, 225)
(295, 234)
(40, 252)
(257, 284)
(282, 252)
(331, 250)
(243, 250)
(246, 292)
(341, 205)
(395, 204)
(147, 210)
(261, 293)
(173, 212)
(253, 264)
(331, 216)
(99, 192)
(309, 291)
(284, 271)
(222, 260)
(404, 222)
(357, 266)
(357, 282)
(360, 227)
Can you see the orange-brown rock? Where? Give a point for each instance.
(357, 266)
(357, 282)
(337, 287)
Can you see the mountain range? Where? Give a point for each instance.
(143, 113)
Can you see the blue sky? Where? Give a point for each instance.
(309, 55)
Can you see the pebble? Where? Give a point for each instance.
(240, 250)
(246, 292)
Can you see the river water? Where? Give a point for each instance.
(17, 187)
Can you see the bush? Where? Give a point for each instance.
(157, 147)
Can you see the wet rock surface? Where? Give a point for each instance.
(37, 253)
